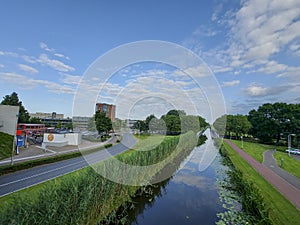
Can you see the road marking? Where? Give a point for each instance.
(41, 182)
(36, 175)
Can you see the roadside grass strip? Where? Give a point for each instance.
(281, 211)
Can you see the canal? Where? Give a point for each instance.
(190, 196)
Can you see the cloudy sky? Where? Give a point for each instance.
(252, 47)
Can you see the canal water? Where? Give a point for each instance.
(190, 196)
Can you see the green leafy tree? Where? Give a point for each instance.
(13, 100)
(92, 124)
(173, 124)
(58, 125)
(269, 121)
(148, 119)
(140, 125)
(35, 120)
(191, 122)
(69, 126)
(117, 124)
(237, 125)
(103, 123)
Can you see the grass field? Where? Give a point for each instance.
(256, 150)
(290, 164)
(280, 209)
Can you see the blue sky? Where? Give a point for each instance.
(252, 47)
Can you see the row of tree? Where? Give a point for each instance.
(268, 123)
(174, 122)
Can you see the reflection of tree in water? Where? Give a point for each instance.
(145, 197)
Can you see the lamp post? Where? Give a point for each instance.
(15, 142)
(289, 143)
(242, 142)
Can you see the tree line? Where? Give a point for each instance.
(175, 122)
(269, 123)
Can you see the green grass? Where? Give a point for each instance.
(280, 209)
(81, 197)
(256, 150)
(148, 142)
(290, 164)
(6, 142)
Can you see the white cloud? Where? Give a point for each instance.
(230, 83)
(252, 35)
(261, 28)
(28, 69)
(272, 67)
(54, 64)
(2, 66)
(62, 56)
(46, 48)
(255, 90)
(30, 84)
(292, 72)
(12, 54)
(71, 79)
(205, 31)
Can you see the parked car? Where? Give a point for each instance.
(293, 151)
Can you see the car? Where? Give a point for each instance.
(293, 151)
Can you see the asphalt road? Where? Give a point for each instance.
(13, 182)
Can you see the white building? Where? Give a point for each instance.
(9, 119)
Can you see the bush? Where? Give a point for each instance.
(108, 145)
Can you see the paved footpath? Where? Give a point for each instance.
(289, 191)
(271, 163)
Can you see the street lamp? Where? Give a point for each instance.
(289, 143)
(242, 142)
(15, 141)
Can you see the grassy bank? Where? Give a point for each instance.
(256, 150)
(51, 159)
(281, 211)
(6, 144)
(81, 197)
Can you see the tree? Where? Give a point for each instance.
(92, 124)
(233, 124)
(140, 125)
(191, 122)
(148, 119)
(58, 125)
(117, 124)
(103, 123)
(173, 124)
(13, 99)
(35, 120)
(69, 126)
(271, 120)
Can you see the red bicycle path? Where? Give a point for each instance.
(286, 189)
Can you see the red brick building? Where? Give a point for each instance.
(110, 110)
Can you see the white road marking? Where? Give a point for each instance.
(36, 175)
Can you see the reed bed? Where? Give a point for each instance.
(85, 197)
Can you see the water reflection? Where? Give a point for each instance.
(189, 197)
